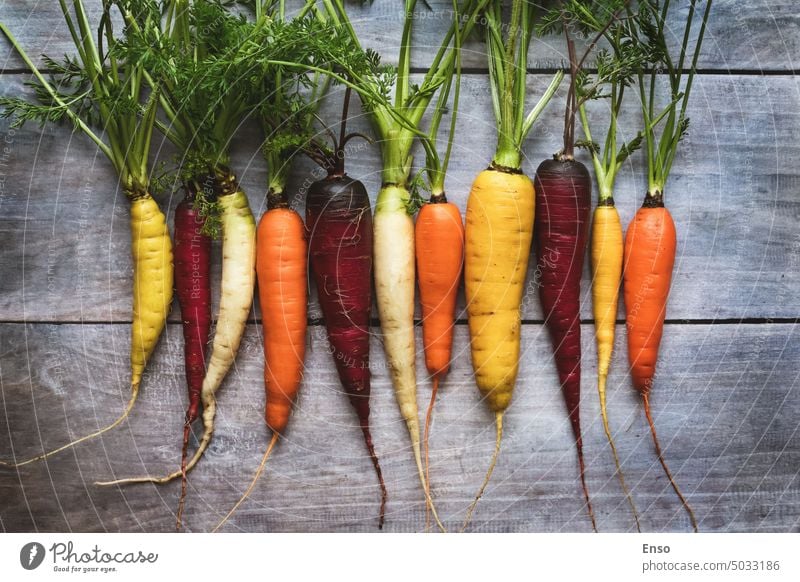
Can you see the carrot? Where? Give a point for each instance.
(439, 234)
(606, 258)
(281, 267)
(126, 144)
(606, 235)
(439, 243)
(397, 126)
(439, 248)
(340, 234)
(651, 240)
(394, 289)
(650, 246)
(193, 288)
(499, 223)
(339, 221)
(563, 191)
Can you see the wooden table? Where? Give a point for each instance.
(727, 400)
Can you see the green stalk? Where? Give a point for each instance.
(398, 124)
(625, 65)
(661, 150)
(404, 59)
(508, 71)
(690, 78)
(604, 188)
(508, 152)
(438, 170)
(71, 114)
(272, 121)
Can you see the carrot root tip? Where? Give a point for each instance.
(425, 437)
(252, 485)
(667, 472)
(119, 420)
(498, 439)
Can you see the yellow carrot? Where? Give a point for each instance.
(499, 221)
(126, 143)
(606, 255)
(236, 298)
(499, 229)
(152, 295)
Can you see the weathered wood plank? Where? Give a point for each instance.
(64, 234)
(726, 404)
(760, 35)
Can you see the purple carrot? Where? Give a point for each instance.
(563, 192)
(193, 289)
(339, 222)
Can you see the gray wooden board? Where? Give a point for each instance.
(762, 35)
(726, 401)
(733, 192)
(726, 404)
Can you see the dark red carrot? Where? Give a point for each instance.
(563, 198)
(193, 289)
(339, 222)
(563, 192)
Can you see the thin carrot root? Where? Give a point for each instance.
(685, 503)
(378, 472)
(123, 416)
(498, 438)
(582, 467)
(601, 387)
(184, 450)
(425, 444)
(208, 415)
(421, 471)
(252, 486)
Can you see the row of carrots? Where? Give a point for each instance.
(348, 247)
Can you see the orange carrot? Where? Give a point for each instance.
(651, 241)
(281, 266)
(281, 260)
(439, 243)
(649, 257)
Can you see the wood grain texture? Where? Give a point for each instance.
(726, 399)
(726, 403)
(733, 193)
(761, 35)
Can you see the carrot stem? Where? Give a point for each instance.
(252, 486)
(685, 503)
(499, 436)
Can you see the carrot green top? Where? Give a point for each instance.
(649, 26)
(287, 98)
(396, 121)
(615, 70)
(508, 62)
(189, 56)
(94, 89)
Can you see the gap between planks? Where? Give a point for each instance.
(539, 71)
(418, 322)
